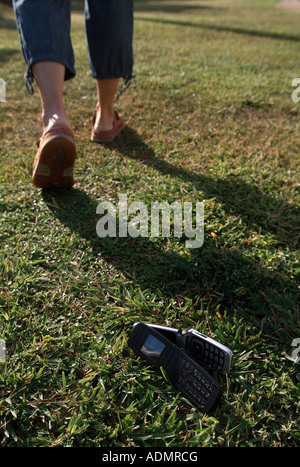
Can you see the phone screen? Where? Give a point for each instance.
(152, 348)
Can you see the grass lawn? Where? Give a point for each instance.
(209, 118)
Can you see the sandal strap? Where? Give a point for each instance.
(56, 130)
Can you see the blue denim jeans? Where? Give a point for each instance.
(44, 30)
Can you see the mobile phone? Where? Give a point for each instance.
(207, 351)
(203, 349)
(186, 374)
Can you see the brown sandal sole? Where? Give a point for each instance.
(54, 166)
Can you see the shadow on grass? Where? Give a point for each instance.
(258, 210)
(223, 277)
(6, 54)
(169, 7)
(138, 258)
(247, 32)
(7, 23)
(154, 5)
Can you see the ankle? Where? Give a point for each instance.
(105, 118)
(49, 119)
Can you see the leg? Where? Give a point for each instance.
(44, 29)
(109, 32)
(49, 77)
(106, 90)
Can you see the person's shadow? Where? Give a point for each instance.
(222, 276)
(257, 209)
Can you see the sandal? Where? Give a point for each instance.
(54, 161)
(110, 135)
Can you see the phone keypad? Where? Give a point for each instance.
(196, 384)
(213, 357)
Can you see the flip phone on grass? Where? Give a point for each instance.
(205, 350)
(184, 372)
